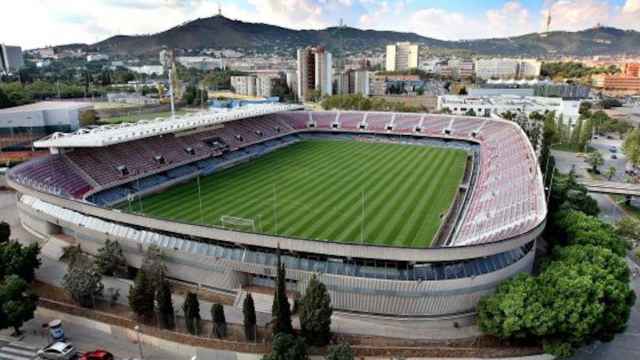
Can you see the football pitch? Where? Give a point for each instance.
(332, 190)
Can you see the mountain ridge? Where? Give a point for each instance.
(219, 32)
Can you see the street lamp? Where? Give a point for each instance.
(138, 331)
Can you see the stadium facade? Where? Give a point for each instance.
(488, 235)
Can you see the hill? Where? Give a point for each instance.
(221, 32)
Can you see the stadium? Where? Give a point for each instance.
(400, 215)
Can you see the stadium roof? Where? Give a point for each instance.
(114, 134)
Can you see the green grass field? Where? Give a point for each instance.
(317, 190)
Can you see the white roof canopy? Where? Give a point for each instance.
(114, 134)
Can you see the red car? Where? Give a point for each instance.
(97, 355)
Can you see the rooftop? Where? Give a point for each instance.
(48, 105)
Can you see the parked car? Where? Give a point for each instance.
(97, 355)
(58, 351)
(613, 149)
(614, 156)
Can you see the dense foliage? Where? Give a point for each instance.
(219, 320)
(18, 259)
(249, 318)
(142, 295)
(83, 281)
(191, 309)
(166, 314)
(576, 227)
(281, 310)
(15, 93)
(195, 96)
(110, 260)
(17, 303)
(631, 147)
(17, 269)
(359, 102)
(574, 70)
(581, 295)
(341, 351)
(287, 347)
(315, 316)
(5, 232)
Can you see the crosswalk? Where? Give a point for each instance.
(17, 351)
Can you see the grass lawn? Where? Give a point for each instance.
(133, 117)
(317, 190)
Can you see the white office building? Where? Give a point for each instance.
(495, 68)
(200, 62)
(492, 106)
(402, 56)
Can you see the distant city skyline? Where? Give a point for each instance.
(38, 23)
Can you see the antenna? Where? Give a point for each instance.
(548, 20)
(219, 9)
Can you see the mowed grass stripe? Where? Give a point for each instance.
(299, 180)
(427, 196)
(216, 196)
(213, 188)
(238, 174)
(407, 194)
(344, 192)
(443, 197)
(266, 192)
(319, 192)
(349, 225)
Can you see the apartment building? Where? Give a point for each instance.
(315, 72)
(401, 56)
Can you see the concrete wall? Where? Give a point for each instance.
(352, 294)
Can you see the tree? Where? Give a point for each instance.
(586, 132)
(83, 282)
(611, 172)
(166, 314)
(110, 260)
(219, 320)
(585, 108)
(191, 309)
(628, 228)
(576, 132)
(71, 255)
(287, 347)
(575, 227)
(470, 112)
(249, 318)
(340, 351)
(142, 295)
(631, 147)
(5, 232)
(153, 265)
(567, 194)
(17, 303)
(595, 159)
(315, 317)
(280, 310)
(582, 295)
(18, 259)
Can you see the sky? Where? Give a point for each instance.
(38, 23)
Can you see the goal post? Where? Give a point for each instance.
(237, 223)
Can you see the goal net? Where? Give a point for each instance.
(237, 223)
